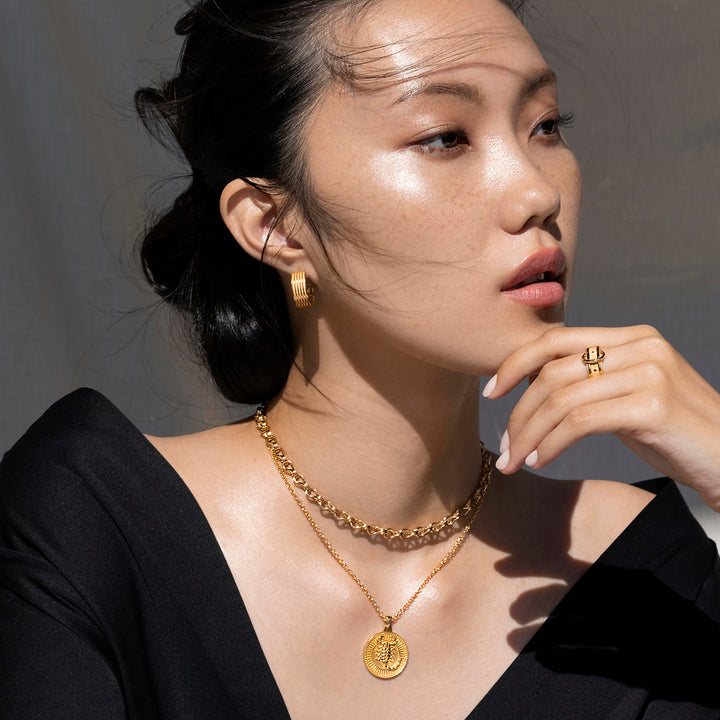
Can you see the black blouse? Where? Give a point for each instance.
(116, 600)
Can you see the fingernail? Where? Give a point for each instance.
(490, 386)
(531, 459)
(503, 460)
(504, 442)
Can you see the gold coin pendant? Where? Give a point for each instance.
(385, 655)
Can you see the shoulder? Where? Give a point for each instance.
(648, 528)
(212, 452)
(646, 609)
(66, 516)
(82, 438)
(83, 491)
(80, 432)
(76, 478)
(604, 509)
(579, 517)
(223, 467)
(73, 425)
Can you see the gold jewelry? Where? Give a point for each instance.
(385, 654)
(593, 357)
(303, 291)
(389, 533)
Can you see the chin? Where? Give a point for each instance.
(552, 316)
(513, 340)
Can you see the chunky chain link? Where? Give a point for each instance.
(287, 468)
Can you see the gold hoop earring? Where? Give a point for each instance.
(303, 291)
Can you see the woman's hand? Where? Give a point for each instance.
(648, 396)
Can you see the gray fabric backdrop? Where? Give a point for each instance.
(642, 77)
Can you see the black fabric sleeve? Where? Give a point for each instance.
(48, 671)
(54, 659)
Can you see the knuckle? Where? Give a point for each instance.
(579, 417)
(557, 402)
(553, 336)
(641, 332)
(655, 346)
(653, 372)
(551, 373)
(649, 330)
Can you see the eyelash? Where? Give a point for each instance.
(564, 120)
(458, 137)
(455, 137)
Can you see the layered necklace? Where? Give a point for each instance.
(386, 653)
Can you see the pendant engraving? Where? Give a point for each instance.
(385, 655)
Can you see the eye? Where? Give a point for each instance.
(444, 141)
(552, 126)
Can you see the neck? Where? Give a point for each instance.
(393, 443)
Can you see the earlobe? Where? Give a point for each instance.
(251, 215)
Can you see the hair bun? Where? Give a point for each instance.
(169, 251)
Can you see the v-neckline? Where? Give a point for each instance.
(213, 603)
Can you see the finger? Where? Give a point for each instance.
(560, 374)
(621, 414)
(563, 402)
(554, 344)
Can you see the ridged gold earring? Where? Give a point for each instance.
(303, 291)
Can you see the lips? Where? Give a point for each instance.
(542, 266)
(539, 280)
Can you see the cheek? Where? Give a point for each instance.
(570, 213)
(569, 180)
(414, 252)
(562, 171)
(390, 206)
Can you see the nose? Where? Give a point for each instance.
(528, 197)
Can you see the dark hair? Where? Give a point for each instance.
(248, 75)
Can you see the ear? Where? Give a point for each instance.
(250, 214)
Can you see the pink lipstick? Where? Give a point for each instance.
(538, 280)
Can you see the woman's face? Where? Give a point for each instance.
(452, 182)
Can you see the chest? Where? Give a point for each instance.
(313, 622)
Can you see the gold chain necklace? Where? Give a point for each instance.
(385, 653)
(473, 502)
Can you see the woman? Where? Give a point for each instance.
(383, 210)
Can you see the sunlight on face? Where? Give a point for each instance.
(442, 159)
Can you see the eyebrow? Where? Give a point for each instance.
(463, 91)
(469, 93)
(537, 81)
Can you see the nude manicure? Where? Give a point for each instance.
(504, 442)
(503, 460)
(490, 386)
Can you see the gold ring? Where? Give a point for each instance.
(593, 357)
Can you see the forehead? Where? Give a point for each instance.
(396, 41)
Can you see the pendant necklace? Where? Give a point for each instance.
(386, 653)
